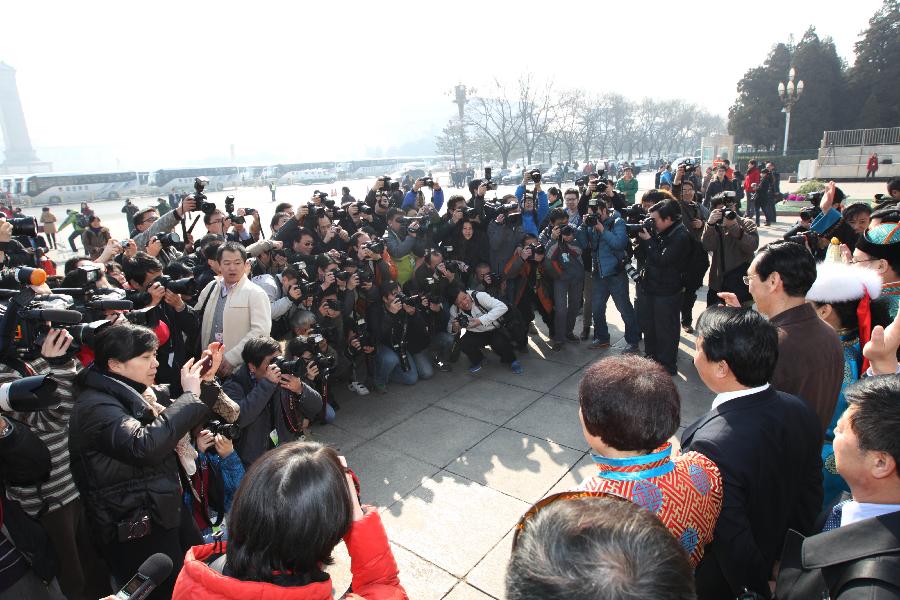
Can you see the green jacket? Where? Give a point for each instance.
(629, 188)
(71, 219)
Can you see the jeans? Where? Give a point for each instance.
(75, 235)
(658, 318)
(440, 346)
(588, 301)
(387, 367)
(566, 299)
(617, 287)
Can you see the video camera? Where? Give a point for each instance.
(508, 210)
(29, 394)
(809, 236)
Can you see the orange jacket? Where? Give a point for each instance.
(375, 574)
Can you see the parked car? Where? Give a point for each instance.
(514, 177)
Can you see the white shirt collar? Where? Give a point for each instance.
(726, 396)
(854, 511)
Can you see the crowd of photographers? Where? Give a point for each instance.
(139, 382)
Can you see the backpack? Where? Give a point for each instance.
(511, 324)
(81, 221)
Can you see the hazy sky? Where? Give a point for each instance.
(156, 83)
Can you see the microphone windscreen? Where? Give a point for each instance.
(156, 568)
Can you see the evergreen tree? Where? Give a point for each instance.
(873, 89)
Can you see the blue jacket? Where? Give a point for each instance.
(529, 225)
(409, 201)
(825, 221)
(608, 248)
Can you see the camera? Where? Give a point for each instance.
(414, 301)
(428, 182)
(566, 230)
(296, 367)
(200, 184)
(227, 430)
(536, 248)
(688, 165)
(591, 219)
(810, 236)
(807, 214)
(83, 334)
(29, 394)
(145, 317)
(229, 210)
(632, 229)
(168, 240)
(375, 246)
(535, 176)
(24, 226)
(730, 215)
(87, 275)
(325, 364)
(815, 198)
(321, 196)
(463, 320)
(186, 285)
(493, 209)
(343, 275)
(581, 182)
(488, 174)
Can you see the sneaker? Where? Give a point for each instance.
(598, 345)
(441, 366)
(516, 367)
(571, 337)
(632, 349)
(380, 388)
(585, 334)
(475, 368)
(358, 388)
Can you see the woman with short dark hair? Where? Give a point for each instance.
(129, 449)
(293, 507)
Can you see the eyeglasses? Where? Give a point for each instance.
(150, 220)
(856, 261)
(746, 278)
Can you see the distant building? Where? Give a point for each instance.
(20, 156)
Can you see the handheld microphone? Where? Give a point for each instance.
(29, 394)
(26, 275)
(150, 575)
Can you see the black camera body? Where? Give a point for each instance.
(463, 320)
(375, 246)
(227, 430)
(591, 219)
(186, 285)
(169, 239)
(536, 248)
(229, 210)
(566, 231)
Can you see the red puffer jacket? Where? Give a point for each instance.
(375, 574)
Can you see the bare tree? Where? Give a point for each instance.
(537, 108)
(498, 119)
(567, 122)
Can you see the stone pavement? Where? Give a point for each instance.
(452, 463)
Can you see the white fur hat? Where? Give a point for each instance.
(837, 282)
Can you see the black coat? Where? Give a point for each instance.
(123, 458)
(768, 449)
(666, 258)
(813, 565)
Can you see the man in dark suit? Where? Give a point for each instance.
(857, 555)
(767, 446)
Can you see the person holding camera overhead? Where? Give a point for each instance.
(129, 448)
(733, 240)
(533, 214)
(149, 223)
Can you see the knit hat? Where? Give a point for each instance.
(838, 282)
(882, 241)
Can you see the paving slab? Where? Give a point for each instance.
(466, 592)
(582, 469)
(553, 419)
(489, 575)
(420, 578)
(452, 521)
(539, 374)
(386, 474)
(337, 437)
(435, 435)
(520, 465)
(368, 416)
(489, 400)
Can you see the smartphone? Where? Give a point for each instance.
(207, 362)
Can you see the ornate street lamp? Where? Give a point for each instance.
(789, 95)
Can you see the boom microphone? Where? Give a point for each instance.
(150, 575)
(25, 275)
(54, 315)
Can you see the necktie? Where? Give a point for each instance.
(834, 519)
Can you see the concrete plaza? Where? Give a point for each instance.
(453, 462)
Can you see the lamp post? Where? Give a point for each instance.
(460, 101)
(789, 95)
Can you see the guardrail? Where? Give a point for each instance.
(862, 137)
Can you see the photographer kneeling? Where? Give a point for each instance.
(291, 510)
(129, 448)
(402, 339)
(479, 314)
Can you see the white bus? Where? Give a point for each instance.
(44, 189)
(182, 180)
